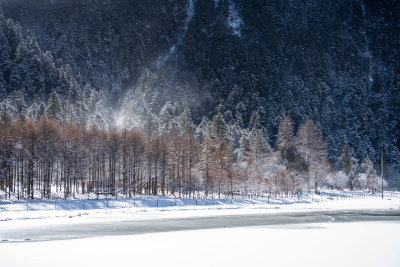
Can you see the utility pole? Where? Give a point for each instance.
(382, 168)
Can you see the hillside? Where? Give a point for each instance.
(254, 62)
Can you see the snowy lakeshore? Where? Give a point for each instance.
(326, 243)
(81, 209)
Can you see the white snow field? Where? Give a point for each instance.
(307, 244)
(365, 244)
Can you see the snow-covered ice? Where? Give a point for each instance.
(340, 244)
(318, 244)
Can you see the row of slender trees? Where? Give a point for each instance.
(47, 156)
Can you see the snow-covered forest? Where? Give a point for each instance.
(198, 97)
(170, 156)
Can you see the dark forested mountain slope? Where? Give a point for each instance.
(30, 76)
(107, 43)
(336, 62)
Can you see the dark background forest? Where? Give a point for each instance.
(123, 63)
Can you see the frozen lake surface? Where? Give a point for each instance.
(101, 228)
(365, 243)
(332, 231)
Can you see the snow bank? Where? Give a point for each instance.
(23, 213)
